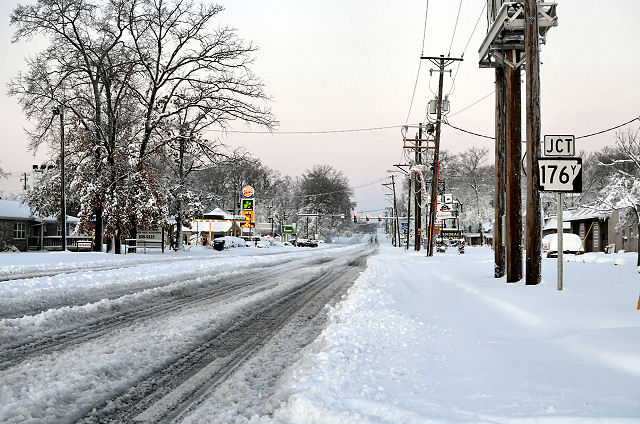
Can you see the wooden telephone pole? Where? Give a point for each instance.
(534, 220)
(418, 210)
(395, 209)
(513, 172)
(500, 173)
(511, 40)
(441, 62)
(396, 220)
(408, 209)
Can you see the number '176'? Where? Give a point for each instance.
(562, 175)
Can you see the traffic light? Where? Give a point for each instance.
(379, 218)
(367, 218)
(355, 218)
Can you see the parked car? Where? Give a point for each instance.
(571, 243)
(306, 243)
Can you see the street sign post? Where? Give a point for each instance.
(561, 172)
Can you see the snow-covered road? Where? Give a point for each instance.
(245, 336)
(166, 334)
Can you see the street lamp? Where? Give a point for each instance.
(59, 110)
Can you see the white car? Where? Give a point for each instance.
(571, 243)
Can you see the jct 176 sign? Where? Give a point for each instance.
(559, 145)
(560, 174)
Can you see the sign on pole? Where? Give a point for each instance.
(559, 145)
(448, 198)
(247, 204)
(248, 191)
(560, 174)
(287, 229)
(249, 220)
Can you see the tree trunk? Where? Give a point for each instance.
(179, 219)
(117, 240)
(97, 237)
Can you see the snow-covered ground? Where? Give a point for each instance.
(418, 340)
(438, 340)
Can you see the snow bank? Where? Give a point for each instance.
(439, 340)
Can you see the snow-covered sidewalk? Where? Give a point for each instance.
(440, 340)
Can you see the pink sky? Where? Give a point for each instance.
(340, 65)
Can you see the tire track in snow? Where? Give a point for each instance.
(205, 291)
(177, 389)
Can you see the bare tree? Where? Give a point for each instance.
(472, 180)
(134, 77)
(186, 69)
(82, 71)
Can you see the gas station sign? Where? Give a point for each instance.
(249, 220)
(247, 204)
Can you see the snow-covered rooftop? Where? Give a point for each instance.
(12, 209)
(584, 213)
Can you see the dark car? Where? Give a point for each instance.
(306, 243)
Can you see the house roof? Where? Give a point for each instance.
(584, 213)
(203, 227)
(216, 226)
(217, 212)
(12, 209)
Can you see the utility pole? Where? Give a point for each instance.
(59, 110)
(532, 69)
(511, 40)
(441, 62)
(499, 199)
(418, 210)
(24, 178)
(395, 208)
(409, 211)
(513, 170)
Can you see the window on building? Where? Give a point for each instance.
(19, 230)
(59, 230)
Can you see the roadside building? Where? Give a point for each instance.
(622, 236)
(601, 231)
(216, 223)
(26, 231)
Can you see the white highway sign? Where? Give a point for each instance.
(560, 174)
(559, 145)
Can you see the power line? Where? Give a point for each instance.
(467, 131)
(474, 29)
(578, 137)
(473, 104)
(455, 28)
(453, 84)
(348, 130)
(424, 29)
(311, 132)
(415, 84)
(608, 129)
